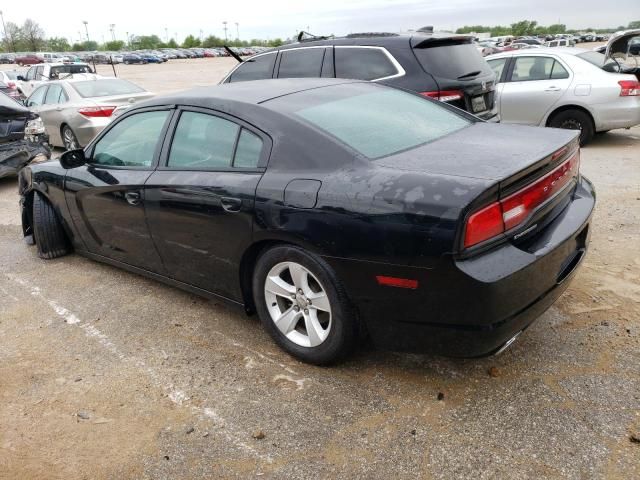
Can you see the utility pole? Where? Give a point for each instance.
(128, 43)
(86, 28)
(237, 31)
(112, 27)
(4, 30)
(166, 34)
(225, 30)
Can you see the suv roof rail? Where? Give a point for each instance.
(371, 34)
(309, 37)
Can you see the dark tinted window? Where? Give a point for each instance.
(255, 69)
(303, 62)
(452, 61)
(248, 150)
(362, 63)
(131, 142)
(203, 141)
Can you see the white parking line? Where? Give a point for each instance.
(178, 397)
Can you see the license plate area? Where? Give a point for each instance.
(478, 104)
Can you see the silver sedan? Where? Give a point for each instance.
(566, 88)
(75, 110)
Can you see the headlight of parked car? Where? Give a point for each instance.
(34, 128)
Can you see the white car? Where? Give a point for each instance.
(566, 88)
(45, 72)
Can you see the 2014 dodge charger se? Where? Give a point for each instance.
(332, 208)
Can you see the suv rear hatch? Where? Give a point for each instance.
(464, 78)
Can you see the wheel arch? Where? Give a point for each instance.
(564, 108)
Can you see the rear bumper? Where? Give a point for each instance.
(624, 112)
(86, 129)
(470, 308)
(15, 155)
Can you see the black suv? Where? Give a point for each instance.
(445, 67)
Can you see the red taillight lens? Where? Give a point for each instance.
(629, 88)
(511, 211)
(11, 85)
(444, 95)
(93, 112)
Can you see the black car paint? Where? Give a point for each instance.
(16, 151)
(364, 218)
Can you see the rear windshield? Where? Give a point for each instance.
(382, 122)
(62, 70)
(456, 61)
(105, 88)
(596, 58)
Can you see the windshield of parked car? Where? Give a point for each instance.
(377, 123)
(105, 87)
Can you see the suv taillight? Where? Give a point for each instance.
(629, 88)
(509, 212)
(444, 95)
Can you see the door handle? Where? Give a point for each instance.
(58, 109)
(231, 204)
(553, 89)
(133, 198)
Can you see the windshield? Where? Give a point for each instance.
(378, 123)
(105, 87)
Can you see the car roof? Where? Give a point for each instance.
(249, 92)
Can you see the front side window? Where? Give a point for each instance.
(301, 63)
(31, 73)
(37, 97)
(363, 63)
(39, 73)
(376, 123)
(132, 142)
(528, 69)
(256, 68)
(203, 141)
(55, 94)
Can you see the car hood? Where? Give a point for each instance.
(486, 151)
(619, 42)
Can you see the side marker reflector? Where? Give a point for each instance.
(397, 282)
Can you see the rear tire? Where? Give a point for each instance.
(48, 232)
(574, 119)
(321, 332)
(69, 138)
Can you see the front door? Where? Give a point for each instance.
(533, 86)
(106, 196)
(200, 202)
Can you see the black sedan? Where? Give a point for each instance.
(334, 209)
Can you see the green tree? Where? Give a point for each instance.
(33, 35)
(147, 42)
(77, 47)
(633, 25)
(13, 37)
(557, 28)
(58, 44)
(172, 43)
(523, 27)
(212, 41)
(190, 42)
(114, 45)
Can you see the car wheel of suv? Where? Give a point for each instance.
(303, 306)
(69, 138)
(574, 120)
(47, 229)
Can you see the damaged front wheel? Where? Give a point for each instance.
(49, 235)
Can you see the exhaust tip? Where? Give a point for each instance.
(507, 344)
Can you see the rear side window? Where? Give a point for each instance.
(363, 63)
(383, 122)
(452, 61)
(248, 150)
(537, 68)
(203, 141)
(256, 68)
(299, 63)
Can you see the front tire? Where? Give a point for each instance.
(49, 235)
(574, 119)
(303, 306)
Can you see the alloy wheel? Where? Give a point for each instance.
(69, 139)
(298, 304)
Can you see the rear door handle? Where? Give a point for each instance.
(133, 198)
(553, 89)
(231, 204)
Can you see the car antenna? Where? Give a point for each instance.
(233, 54)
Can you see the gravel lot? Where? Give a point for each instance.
(105, 374)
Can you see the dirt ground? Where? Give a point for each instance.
(107, 375)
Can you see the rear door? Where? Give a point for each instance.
(533, 85)
(200, 202)
(105, 197)
(301, 62)
(50, 111)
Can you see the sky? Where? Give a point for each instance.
(283, 18)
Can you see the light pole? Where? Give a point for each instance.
(200, 35)
(225, 30)
(86, 28)
(4, 29)
(166, 34)
(237, 30)
(128, 43)
(112, 27)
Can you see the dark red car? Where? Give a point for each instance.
(29, 59)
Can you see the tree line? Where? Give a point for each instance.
(30, 37)
(531, 27)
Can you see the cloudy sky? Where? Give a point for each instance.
(281, 18)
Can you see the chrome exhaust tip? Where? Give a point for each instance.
(507, 344)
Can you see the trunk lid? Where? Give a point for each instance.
(619, 42)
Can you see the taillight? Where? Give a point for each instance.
(11, 85)
(629, 88)
(509, 212)
(444, 95)
(93, 112)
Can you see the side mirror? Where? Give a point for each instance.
(73, 159)
(20, 77)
